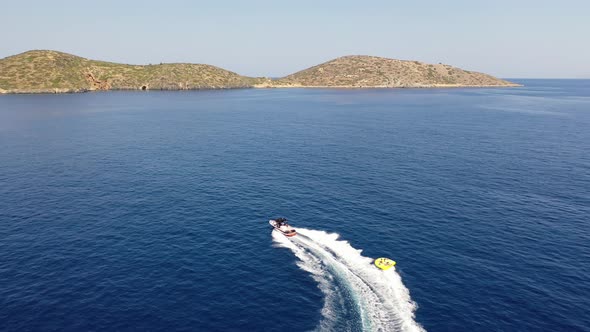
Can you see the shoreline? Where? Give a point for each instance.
(417, 86)
(264, 86)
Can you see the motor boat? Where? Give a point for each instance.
(281, 225)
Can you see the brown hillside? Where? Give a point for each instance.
(371, 71)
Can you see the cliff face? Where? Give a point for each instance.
(370, 71)
(51, 71)
(57, 72)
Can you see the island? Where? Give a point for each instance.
(45, 71)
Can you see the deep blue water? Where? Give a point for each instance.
(149, 211)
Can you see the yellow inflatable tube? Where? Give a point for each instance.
(384, 263)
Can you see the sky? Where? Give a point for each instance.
(508, 39)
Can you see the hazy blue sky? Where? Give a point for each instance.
(518, 38)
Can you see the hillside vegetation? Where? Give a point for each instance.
(54, 72)
(51, 71)
(371, 71)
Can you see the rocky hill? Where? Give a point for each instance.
(54, 72)
(51, 71)
(371, 71)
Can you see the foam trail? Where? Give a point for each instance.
(351, 283)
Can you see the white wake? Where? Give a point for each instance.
(358, 296)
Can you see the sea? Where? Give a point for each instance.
(148, 211)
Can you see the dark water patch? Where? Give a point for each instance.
(148, 211)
